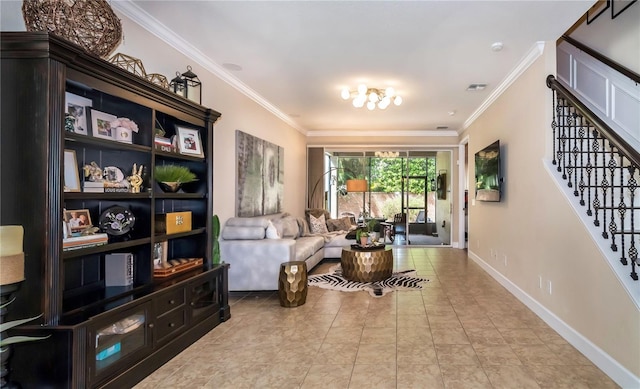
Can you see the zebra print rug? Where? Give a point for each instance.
(405, 279)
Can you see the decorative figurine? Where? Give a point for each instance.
(135, 179)
(93, 171)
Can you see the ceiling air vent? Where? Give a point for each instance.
(473, 87)
(442, 127)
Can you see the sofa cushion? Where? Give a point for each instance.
(317, 225)
(273, 230)
(307, 246)
(259, 221)
(243, 233)
(289, 227)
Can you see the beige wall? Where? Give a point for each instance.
(618, 39)
(238, 113)
(538, 231)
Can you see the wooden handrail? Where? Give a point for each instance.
(615, 139)
(602, 58)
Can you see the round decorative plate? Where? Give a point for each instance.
(117, 220)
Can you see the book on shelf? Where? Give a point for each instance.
(77, 242)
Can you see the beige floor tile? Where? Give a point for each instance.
(416, 353)
(285, 376)
(340, 354)
(343, 335)
(464, 377)
(379, 376)
(505, 377)
(376, 354)
(496, 355)
(519, 336)
(419, 376)
(536, 355)
(328, 376)
(378, 335)
(413, 335)
(235, 376)
(462, 330)
(456, 354)
(449, 336)
(484, 336)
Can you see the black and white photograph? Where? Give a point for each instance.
(76, 109)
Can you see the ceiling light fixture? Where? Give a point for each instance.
(386, 154)
(372, 97)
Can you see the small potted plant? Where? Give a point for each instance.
(172, 177)
(362, 236)
(123, 128)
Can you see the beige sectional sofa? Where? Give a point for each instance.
(255, 247)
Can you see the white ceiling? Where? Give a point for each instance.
(297, 56)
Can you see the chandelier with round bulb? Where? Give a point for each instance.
(372, 97)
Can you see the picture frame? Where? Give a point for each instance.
(76, 108)
(618, 6)
(160, 250)
(189, 142)
(100, 124)
(71, 178)
(597, 9)
(77, 219)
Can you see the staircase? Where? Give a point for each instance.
(603, 172)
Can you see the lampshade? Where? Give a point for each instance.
(11, 255)
(357, 185)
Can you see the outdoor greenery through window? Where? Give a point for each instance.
(395, 184)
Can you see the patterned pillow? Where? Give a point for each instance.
(317, 225)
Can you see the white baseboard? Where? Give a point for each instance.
(621, 375)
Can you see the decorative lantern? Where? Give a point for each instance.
(193, 86)
(178, 85)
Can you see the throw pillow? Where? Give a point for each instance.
(317, 225)
(334, 225)
(272, 231)
(290, 227)
(345, 223)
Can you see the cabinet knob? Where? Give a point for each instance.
(150, 325)
(192, 304)
(172, 302)
(172, 324)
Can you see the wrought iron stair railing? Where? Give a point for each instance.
(602, 169)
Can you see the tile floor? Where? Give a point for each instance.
(463, 330)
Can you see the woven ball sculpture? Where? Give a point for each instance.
(92, 24)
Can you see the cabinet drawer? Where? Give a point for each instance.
(170, 323)
(168, 301)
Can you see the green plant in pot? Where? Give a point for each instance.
(362, 235)
(172, 177)
(215, 232)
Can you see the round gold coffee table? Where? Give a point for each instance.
(366, 265)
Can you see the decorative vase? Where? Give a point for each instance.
(170, 187)
(122, 134)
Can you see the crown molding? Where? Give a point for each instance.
(534, 53)
(165, 34)
(339, 133)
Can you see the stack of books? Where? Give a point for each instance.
(164, 144)
(93, 187)
(81, 242)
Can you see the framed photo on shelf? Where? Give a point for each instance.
(76, 109)
(596, 10)
(189, 142)
(101, 124)
(160, 254)
(71, 177)
(77, 219)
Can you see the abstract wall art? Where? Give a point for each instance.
(260, 173)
